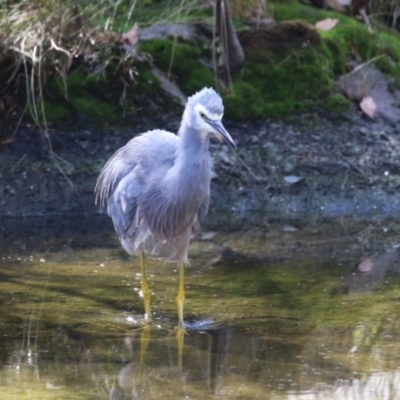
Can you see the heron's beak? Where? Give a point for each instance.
(217, 125)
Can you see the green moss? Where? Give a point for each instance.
(335, 52)
(348, 37)
(94, 108)
(285, 77)
(291, 76)
(182, 60)
(289, 10)
(55, 111)
(384, 64)
(274, 84)
(358, 40)
(390, 42)
(95, 96)
(396, 70)
(336, 103)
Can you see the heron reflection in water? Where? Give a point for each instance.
(157, 188)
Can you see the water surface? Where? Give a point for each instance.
(274, 310)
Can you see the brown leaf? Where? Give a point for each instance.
(368, 106)
(132, 36)
(5, 141)
(106, 37)
(366, 265)
(326, 24)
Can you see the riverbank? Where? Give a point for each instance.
(308, 165)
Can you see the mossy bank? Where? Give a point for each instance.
(315, 165)
(290, 67)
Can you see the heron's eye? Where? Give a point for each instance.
(202, 115)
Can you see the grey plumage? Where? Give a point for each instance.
(157, 187)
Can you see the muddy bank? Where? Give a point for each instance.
(310, 165)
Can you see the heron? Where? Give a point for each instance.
(157, 188)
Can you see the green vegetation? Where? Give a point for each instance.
(182, 62)
(349, 37)
(58, 58)
(278, 81)
(299, 74)
(95, 96)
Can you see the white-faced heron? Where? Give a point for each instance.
(157, 188)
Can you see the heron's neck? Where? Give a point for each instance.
(192, 164)
(192, 145)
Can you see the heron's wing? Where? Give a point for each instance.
(203, 210)
(145, 151)
(124, 176)
(122, 204)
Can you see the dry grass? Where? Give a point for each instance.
(249, 10)
(40, 39)
(43, 38)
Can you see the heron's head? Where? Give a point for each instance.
(204, 111)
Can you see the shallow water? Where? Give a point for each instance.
(284, 310)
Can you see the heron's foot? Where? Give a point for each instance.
(180, 331)
(147, 319)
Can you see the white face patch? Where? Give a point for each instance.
(205, 128)
(201, 109)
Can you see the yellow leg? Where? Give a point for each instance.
(180, 331)
(145, 288)
(180, 298)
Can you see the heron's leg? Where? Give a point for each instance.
(180, 331)
(145, 288)
(180, 298)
